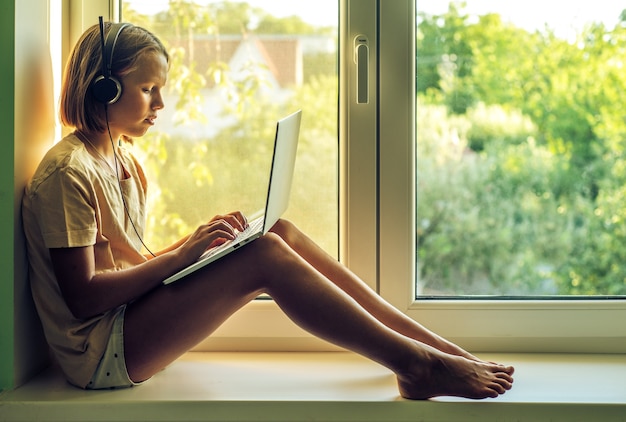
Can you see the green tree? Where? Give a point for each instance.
(289, 25)
(568, 89)
(444, 56)
(522, 208)
(230, 170)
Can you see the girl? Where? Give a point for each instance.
(107, 317)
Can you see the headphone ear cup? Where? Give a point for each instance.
(106, 90)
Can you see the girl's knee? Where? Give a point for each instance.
(281, 226)
(275, 249)
(272, 243)
(286, 230)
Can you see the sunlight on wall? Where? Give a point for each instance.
(56, 54)
(34, 133)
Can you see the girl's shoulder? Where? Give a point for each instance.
(66, 154)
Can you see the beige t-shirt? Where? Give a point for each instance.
(73, 201)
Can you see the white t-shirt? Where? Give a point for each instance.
(73, 201)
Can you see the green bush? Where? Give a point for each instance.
(495, 222)
(193, 180)
(492, 123)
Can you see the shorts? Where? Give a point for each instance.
(111, 371)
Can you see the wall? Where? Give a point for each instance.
(27, 120)
(7, 26)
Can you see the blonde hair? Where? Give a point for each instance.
(78, 107)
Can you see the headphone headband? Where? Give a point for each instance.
(109, 46)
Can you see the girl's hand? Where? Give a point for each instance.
(236, 219)
(220, 229)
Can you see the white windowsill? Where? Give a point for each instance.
(328, 386)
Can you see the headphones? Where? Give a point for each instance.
(107, 90)
(105, 87)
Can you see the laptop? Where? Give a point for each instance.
(276, 202)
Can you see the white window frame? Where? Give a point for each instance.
(377, 191)
(572, 325)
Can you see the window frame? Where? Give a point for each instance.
(534, 325)
(377, 188)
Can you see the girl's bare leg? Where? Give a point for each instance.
(172, 319)
(362, 293)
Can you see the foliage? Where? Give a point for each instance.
(521, 163)
(520, 158)
(568, 89)
(482, 216)
(492, 220)
(230, 171)
(193, 179)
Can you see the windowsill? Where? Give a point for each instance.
(325, 386)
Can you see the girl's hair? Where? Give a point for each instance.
(78, 107)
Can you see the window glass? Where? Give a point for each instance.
(521, 165)
(236, 68)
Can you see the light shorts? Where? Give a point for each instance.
(111, 371)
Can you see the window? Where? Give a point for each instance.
(236, 67)
(506, 321)
(378, 219)
(520, 187)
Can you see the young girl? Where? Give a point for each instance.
(107, 317)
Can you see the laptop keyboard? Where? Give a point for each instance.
(253, 227)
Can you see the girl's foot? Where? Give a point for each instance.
(449, 375)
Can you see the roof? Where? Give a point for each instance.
(281, 55)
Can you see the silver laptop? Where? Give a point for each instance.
(281, 175)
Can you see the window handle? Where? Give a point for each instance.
(361, 58)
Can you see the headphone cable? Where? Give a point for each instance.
(119, 183)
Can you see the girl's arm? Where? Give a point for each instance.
(88, 293)
(236, 219)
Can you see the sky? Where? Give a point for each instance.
(564, 16)
(312, 11)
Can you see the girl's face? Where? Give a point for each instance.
(134, 113)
